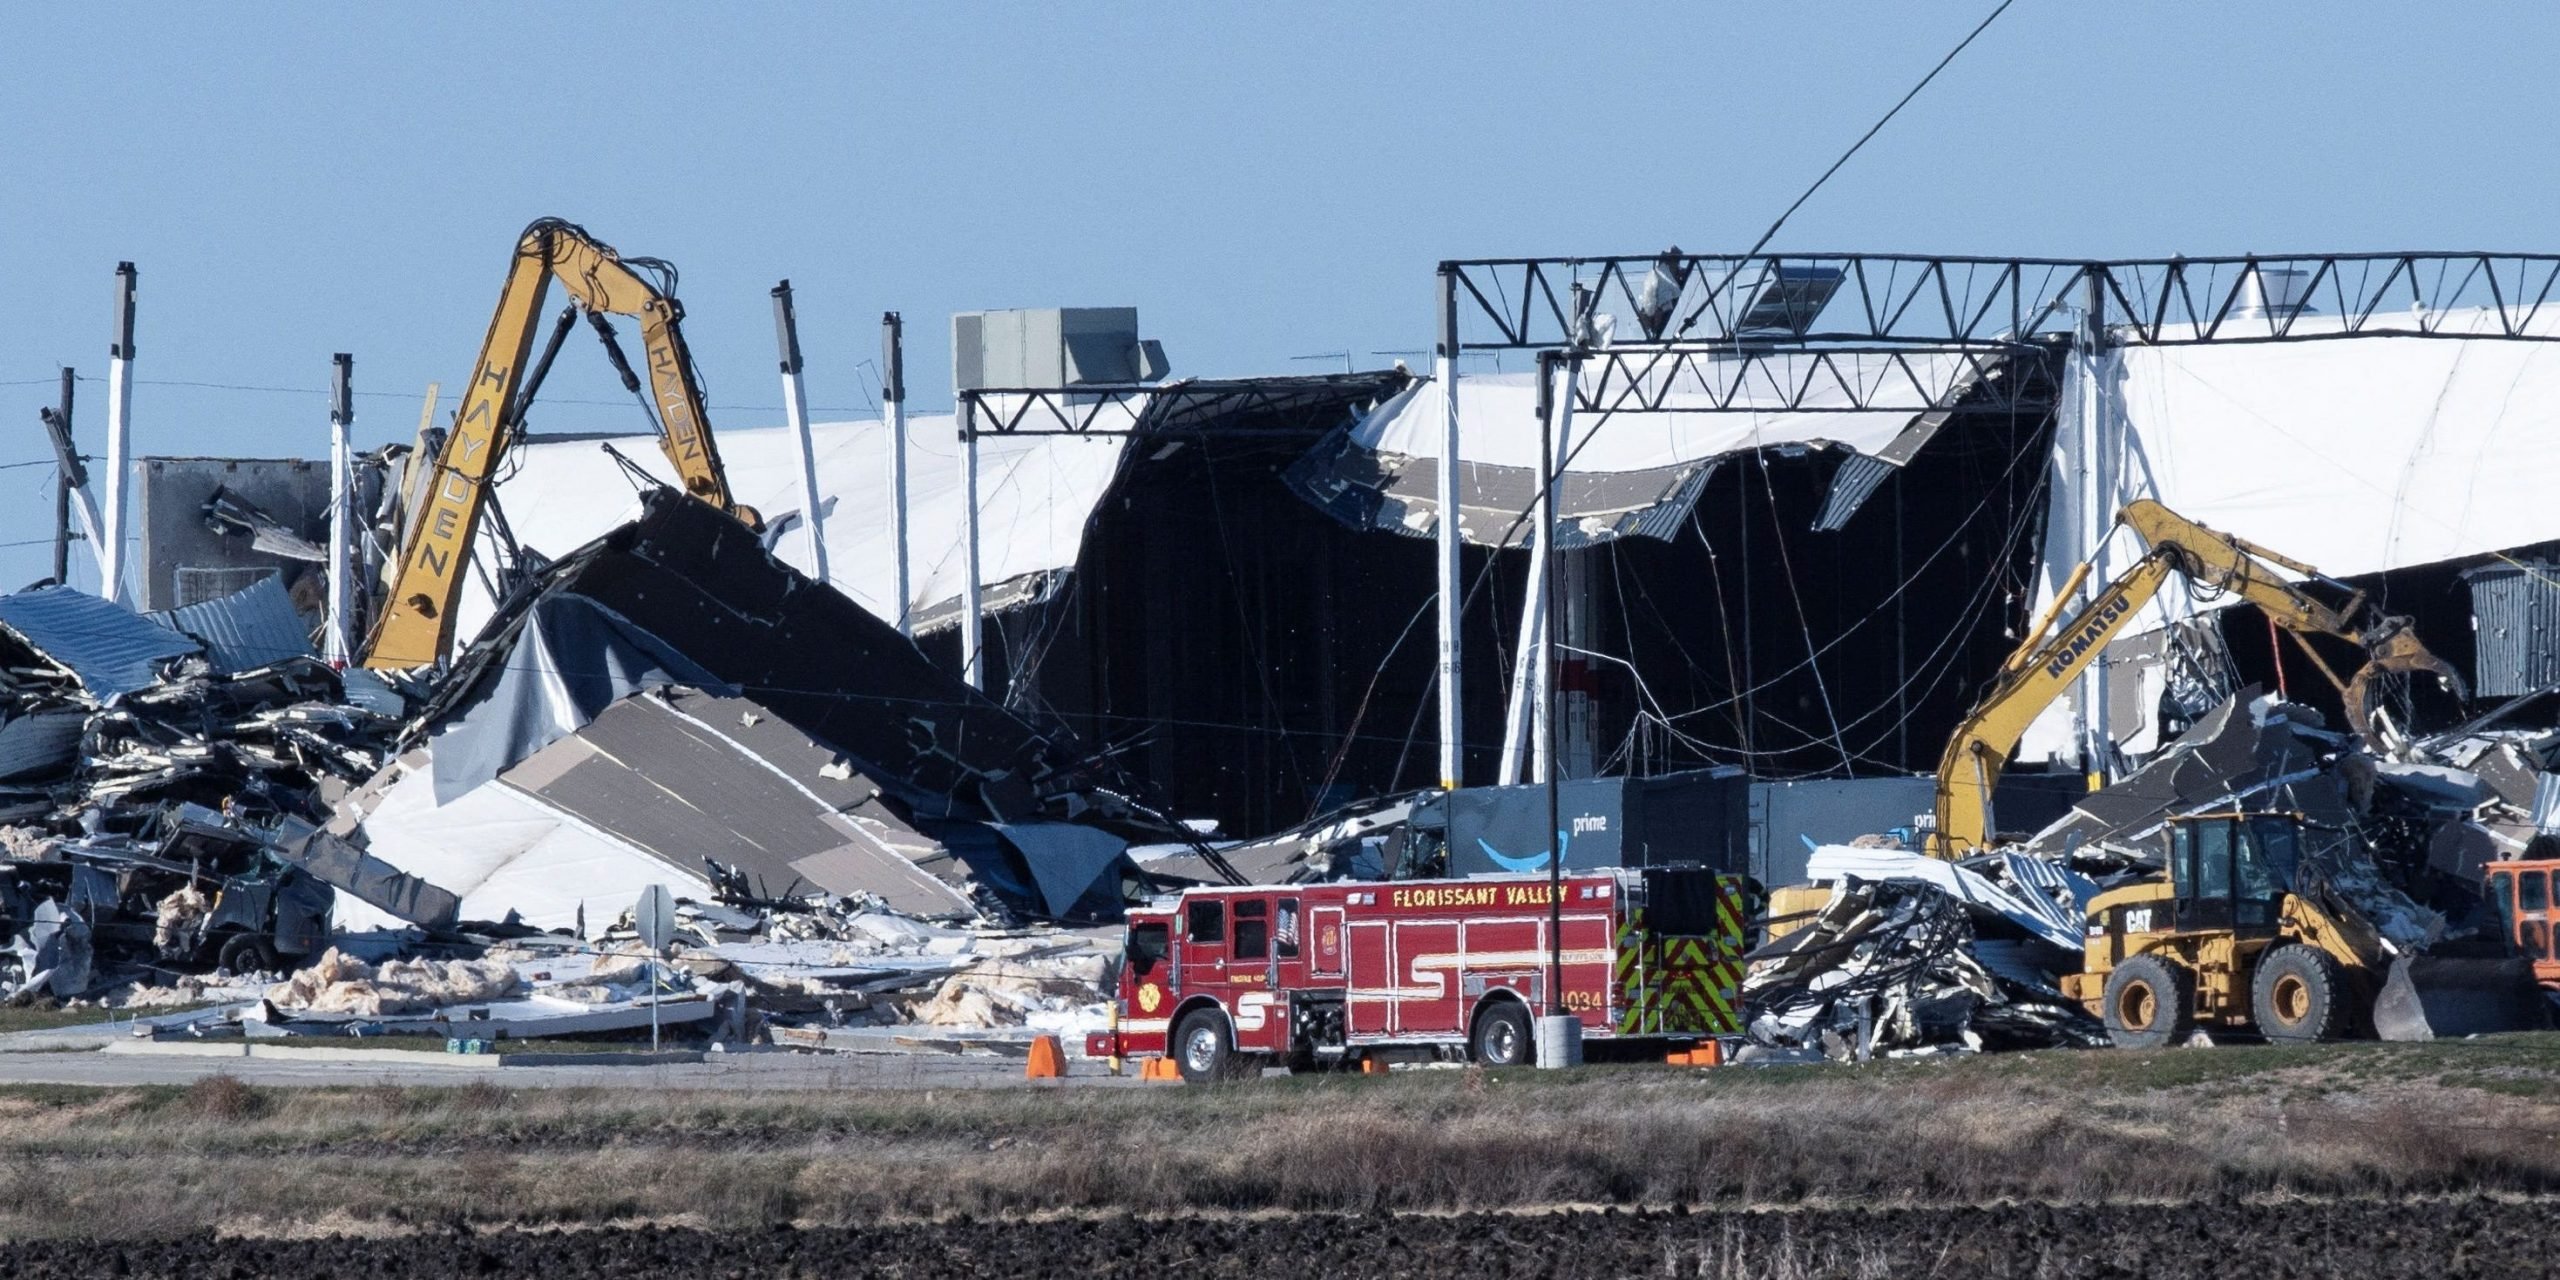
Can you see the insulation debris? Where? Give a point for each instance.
(340, 983)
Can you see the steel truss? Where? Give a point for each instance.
(1525, 303)
(1121, 409)
(1716, 378)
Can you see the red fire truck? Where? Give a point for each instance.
(1229, 980)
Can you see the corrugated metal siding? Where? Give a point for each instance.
(2515, 621)
(1856, 481)
(2546, 803)
(249, 628)
(109, 648)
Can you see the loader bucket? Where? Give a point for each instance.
(2444, 997)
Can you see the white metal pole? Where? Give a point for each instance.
(795, 410)
(972, 657)
(1519, 718)
(893, 411)
(342, 509)
(111, 567)
(1452, 718)
(2097, 515)
(1559, 418)
(1524, 712)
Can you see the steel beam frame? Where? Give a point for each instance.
(1695, 377)
(1108, 409)
(1935, 300)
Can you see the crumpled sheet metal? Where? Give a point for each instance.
(2029, 909)
(2252, 752)
(1889, 967)
(252, 627)
(109, 649)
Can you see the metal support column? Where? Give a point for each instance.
(111, 566)
(1525, 731)
(1557, 424)
(1520, 720)
(795, 412)
(893, 412)
(341, 636)
(2097, 517)
(1559, 1031)
(68, 475)
(972, 652)
(1578, 634)
(1452, 718)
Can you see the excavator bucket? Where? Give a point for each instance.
(2444, 997)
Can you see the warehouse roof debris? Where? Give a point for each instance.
(1639, 476)
(187, 801)
(671, 696)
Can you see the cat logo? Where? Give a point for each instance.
(1150, 998)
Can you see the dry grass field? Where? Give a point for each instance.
(2343, 1121)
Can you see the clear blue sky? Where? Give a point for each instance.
(1262, 181)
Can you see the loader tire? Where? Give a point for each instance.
(2150, 1003)
(2299, 995)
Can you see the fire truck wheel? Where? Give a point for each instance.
(1203, 1049)
(1501, 1037)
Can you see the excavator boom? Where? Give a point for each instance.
(416, 624)
(2047, 664)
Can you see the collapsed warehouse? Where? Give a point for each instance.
(1788, 561)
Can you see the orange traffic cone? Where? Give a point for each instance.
(1048, 1061)
(1160, 1068)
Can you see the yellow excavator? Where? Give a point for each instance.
(2243, 928)
(415, 627)
(2052, 657)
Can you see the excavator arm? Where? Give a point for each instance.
(2053, 658)
(2222, 562)
(416, 624)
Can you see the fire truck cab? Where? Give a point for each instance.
(1227, 981)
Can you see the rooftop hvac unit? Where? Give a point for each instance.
(207, 527)
(1052, 347)
(1789, 299)
(2274, 291)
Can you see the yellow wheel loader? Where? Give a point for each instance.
(2242, 932)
